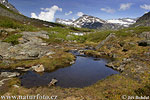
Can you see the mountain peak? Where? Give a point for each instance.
(85, 21)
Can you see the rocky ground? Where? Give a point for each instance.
(130, 56)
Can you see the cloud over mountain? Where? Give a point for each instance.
(70, 12)
(125, 6)
(47, 14)
(145, 6)
(80, 14)
(108, 10)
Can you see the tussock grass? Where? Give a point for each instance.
(13, 39)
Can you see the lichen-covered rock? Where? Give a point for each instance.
(9, 74)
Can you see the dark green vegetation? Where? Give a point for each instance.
(13, 39)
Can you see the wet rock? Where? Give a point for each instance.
(144, 43)
(9, 74)
(110, 65)
(38, 68)
(72, 62)
(53, 82)
(1, 57)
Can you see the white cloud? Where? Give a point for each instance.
(108, 10)
(145, 6)
(47, 14)
(70, 12)
(80, 14)
(125, 6)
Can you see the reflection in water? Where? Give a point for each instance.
(86, 71)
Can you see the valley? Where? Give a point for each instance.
(91, 58)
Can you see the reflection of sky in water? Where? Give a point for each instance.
(84, 72)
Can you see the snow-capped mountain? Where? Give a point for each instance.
(87, 21)
(8, 5)
(65, 22)
(123, 21)
(83, 21)
(92, 22)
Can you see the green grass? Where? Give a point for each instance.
(127, 32)
(6, 22)
(13, 39)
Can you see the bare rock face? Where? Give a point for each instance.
(145, 35)
(112, 35)
(8, 5)
(29, 47)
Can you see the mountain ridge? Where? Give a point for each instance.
(87, 21)
(143, 20)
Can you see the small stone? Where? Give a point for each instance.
(20, 68)
(16, 86)
(50, 53)
(43, 44)
(39, 68)
(72, 62)
(53, 82)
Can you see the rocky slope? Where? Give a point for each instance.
(91, 22)
(143, 21)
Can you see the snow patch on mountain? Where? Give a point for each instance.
(8, 5)
(124, 21)
(84, 20)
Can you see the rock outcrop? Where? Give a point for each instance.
(30, 47)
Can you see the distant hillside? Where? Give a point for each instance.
(8, 10)
(8, 5)
(143, 21)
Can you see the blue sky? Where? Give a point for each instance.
(69, 9)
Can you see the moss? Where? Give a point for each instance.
(13, 39)
(58, 60)
(7, 22)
